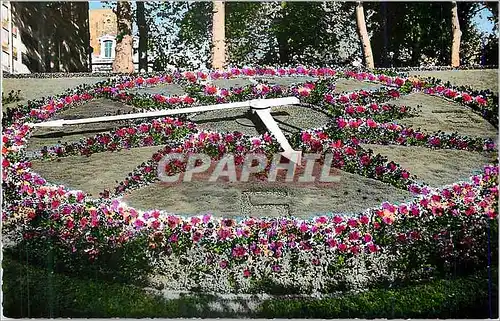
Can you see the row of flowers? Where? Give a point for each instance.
(211, 245)
(253, 248)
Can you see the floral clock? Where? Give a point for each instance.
(390, 242)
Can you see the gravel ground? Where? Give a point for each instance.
(46, 136)
(347, 85)
(239, 199)
(289, 118)
(37, 88)
(95, 173)
(478, 79)
(436, 114)
(435, 167)
(163, 89)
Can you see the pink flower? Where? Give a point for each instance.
(306, 137)
(341, 123)
(338, 220)
(239, 252)
(481, 101)
(331, 242)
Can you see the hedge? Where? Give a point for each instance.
(31, 292)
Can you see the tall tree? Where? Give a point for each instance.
(457, 34)
(124, 42)
(363, 33)
(218, 36)
(143, 36)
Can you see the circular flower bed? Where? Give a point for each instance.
(439, 228)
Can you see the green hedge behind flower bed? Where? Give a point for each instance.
(34, 292)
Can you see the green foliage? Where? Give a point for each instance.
(313, 33)
(463, 298)
(30, 292)
(13, 96)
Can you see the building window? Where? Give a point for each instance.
(108, 45)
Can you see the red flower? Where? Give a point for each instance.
(341, 123)
(350, 151)
(393, 93)
(336, 144)
(188, 100)
(353, 236)
(349, 110)
(343, 99)
(401, 237)
(365, 160)
(466, 97)
(338, 220)
(360, 109)
(211, 90)
(70, 224)
(371, 123)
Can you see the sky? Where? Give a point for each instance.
(480, 19)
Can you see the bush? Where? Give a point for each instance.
(33, 292)
(459, 298)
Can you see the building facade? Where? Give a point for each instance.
(103, 31)
(45, 37)
(12, 46)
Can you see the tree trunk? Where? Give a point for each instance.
(123, 62)
(363, 33)
(385, 52)
(218, 36)
(143, 36)
(457, 34)
(283, 36)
